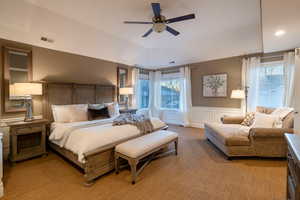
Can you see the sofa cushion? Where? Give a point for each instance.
(232, 119)
(229, 134)
(264, 110)
(266, 121)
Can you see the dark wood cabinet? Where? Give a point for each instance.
(293, 166)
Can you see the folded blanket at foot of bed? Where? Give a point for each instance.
(142, 122)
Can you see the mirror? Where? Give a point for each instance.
(122, 82)
(17, 69)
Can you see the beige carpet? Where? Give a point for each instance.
(198, 172)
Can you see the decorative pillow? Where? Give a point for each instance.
(99, 113)
(70, 113)
(96, 106)
(249, 119)
(265, 110)
(113, 109)
(282, 112)
(265, 121)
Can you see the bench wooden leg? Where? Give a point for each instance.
(176, 147)
(133, 164)
(117, 163)
(88, 183)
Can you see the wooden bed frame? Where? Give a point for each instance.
(101, 160)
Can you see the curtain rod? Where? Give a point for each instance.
(274, 56)
(266, 56)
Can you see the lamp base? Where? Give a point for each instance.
(28, 119)
(28, 114)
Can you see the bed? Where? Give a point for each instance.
(94, 159)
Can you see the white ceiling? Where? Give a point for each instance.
(94, 28)
(281, 15)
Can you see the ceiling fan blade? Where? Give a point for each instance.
(172, 31)
(136, 22)
(182, 18)
(148, 33)
(156, 9)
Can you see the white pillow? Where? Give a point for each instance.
(113, 109)
(265, 121)
(157, 123)
(70, 113)
(282, 112)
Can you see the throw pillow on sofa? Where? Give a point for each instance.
(249, 119)
(265, 121)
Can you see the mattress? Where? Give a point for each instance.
(86, 136)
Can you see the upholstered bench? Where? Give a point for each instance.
(135, 150)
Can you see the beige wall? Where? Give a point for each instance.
(231, 66)
(56, 66)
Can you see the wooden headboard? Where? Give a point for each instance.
(72, 93)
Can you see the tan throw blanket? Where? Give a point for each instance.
(142, 122)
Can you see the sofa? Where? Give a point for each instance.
(260, 142)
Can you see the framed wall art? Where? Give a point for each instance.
(215, 85)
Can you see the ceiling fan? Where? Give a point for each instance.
(160, 22)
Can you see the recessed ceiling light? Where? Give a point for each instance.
(279, 33)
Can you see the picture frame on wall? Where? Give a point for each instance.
(215, 85)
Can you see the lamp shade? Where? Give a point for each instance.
(126, 91)
(25, 89)
(238, 94)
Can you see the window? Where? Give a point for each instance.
(144, 89)
(271, 84)
(170, 93)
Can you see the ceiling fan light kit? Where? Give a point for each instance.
(159, 22)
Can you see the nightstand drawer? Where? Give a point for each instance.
(27, 130)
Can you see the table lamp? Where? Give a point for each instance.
(239, 94)
(27, 90)
(126, 91)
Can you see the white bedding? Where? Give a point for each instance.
(82, 137)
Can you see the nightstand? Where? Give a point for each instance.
(27, 139)
(130, 110)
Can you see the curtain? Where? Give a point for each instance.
(155, 93)
(136, 89)
(289, 76)
(185, 96)
(151, 93)
(251, 68)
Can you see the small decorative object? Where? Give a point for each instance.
(126, 91)
(26, 91)
(215, 85)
